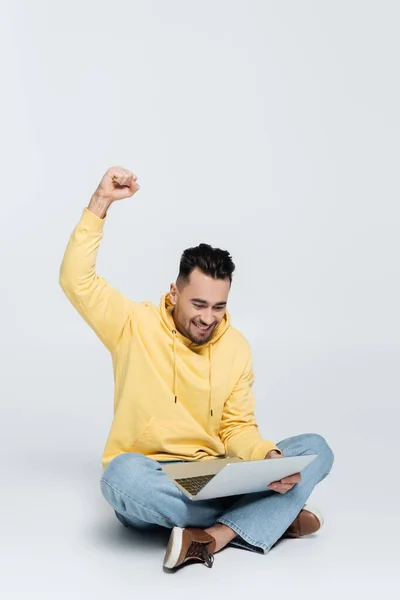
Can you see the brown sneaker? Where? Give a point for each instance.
(189, 544)
(308, 521)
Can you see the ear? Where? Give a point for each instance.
(173, 293)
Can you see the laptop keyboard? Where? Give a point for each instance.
(193, 485)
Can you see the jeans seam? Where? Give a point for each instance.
(145, 508)
(242, 534)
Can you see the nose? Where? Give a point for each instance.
(207, 317)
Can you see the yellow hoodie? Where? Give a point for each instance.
(173, 400)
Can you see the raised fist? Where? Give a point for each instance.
(117, 184)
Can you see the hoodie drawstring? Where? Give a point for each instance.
(210, 379)
(175, 376)
(174, 386)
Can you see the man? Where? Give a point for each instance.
(183, 392)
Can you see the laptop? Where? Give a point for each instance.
(203, 480)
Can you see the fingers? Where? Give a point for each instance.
(125, 183)
(134, 186)
(117, 184)
(124, 179)
(285, 484)
(281, 488)
(296, 478)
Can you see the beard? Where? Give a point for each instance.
(191, 331)
(198, 337)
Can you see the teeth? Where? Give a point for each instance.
(202, 327)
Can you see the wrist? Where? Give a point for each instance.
(273, 454)
(99, 205)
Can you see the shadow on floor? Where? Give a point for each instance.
(112, 534)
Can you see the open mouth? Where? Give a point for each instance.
(202, 328)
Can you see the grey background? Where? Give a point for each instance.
(270, 129)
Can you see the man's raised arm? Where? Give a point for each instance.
(104, 308)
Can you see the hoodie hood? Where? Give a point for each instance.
(166, 308)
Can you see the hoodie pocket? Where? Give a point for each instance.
(142, 439)
(158, 435)
(171, 436)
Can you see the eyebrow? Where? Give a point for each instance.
(200, 301)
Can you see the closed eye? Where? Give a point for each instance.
(200, 306)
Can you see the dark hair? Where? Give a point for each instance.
(214, 262)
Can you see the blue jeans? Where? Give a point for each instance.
(143, 497)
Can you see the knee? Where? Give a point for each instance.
(124, 477)
(317, 444)
(126, 467)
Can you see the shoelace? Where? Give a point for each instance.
(199, 550)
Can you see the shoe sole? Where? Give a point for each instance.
(316, 513)
(174, 548)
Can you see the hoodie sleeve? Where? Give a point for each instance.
(104, 308)
(238, 429)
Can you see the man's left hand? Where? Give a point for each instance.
(285, 484)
